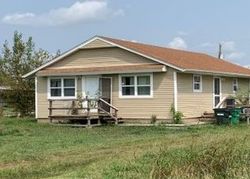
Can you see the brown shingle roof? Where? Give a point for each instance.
(188, 61)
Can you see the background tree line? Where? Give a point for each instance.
(16, 59)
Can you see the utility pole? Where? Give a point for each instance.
(220, 54)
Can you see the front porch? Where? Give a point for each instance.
(96, 112)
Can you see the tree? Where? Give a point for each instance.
(16, 61)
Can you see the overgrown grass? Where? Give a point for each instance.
(31, 150)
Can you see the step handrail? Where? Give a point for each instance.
(110, 105)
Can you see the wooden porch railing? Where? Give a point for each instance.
(77, 106)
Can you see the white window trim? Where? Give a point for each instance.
(135, 85)
(195, 90)
(237, 85)
(62, 88)
(214, 95)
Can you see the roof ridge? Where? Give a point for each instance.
(156, 46)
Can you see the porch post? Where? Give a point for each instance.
(50, 111)
(36, 99)
(175, 90)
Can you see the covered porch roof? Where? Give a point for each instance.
(102, 70)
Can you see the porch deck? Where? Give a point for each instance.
(97, 110)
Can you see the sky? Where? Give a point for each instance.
(194, 25)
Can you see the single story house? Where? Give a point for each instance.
(140, 80)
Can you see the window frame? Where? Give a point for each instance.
(200, 83)
(136, 86)
(62, 88)
(235, 84)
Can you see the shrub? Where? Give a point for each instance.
(176, 115)
(153, 119)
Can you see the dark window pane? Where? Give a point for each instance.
(55, 82)
(216, 100)
(197, 86)
(143, 90)
(69, 82)
(217, 86)
(129, 80)
(143, 80)
(55, 92)
(128, 91)
(197, 79)
(69, 92)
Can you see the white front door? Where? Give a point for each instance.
(91, 89)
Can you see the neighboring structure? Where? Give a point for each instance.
(140, 80)
(2, 89)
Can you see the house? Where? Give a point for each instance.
(139, 80)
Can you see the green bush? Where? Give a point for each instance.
(176, 115)
(153, 119)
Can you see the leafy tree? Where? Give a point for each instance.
(16, 61)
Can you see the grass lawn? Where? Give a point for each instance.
(32, 150)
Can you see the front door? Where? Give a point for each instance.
(217, 91)
(91, 90)
(105, 92)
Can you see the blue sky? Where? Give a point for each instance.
(196, 25)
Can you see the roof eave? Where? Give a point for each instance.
(207, 72)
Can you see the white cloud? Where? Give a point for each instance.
(229, 49)
(228, 46)
(178, 43)
(235, 55)
(79, 12)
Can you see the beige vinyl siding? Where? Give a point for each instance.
(159, 105)
(128, 108)
(101, 58)
(42, 98)
(194, 104)
(97, 43)
(227, 85)
(243, 84)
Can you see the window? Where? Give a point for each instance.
(136, 86)
(143, 85)
(62, 87)
(197, 83)
(128, 86)
(55, 87)
(69, 87)
(235, 85)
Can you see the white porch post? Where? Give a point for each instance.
(36, 102)
(175, 90)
